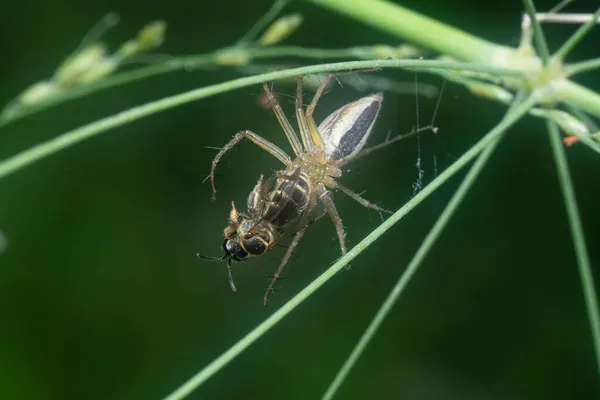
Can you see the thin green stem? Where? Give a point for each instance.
(583, 66)
(500, 94)
(578, 96)
(583, 261)
(187, 63)
(579, 34)
(16, 113)
(559, 6)
(416, 28)
(65, 140)
(372, 82)
(225, 358)
(432, 34)
(514, 114)
(580, 115)
(262, 23)
(538, 33)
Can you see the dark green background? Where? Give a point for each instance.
(102, 297)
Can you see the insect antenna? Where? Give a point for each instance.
(211, 258)
(218, 259)
(230, 276)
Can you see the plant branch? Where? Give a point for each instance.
(579, 96)
(227, 57)
(262, 23)
(579, 34)
(538, 33)
(435, 35)
(583, 66)
(419, 29)
(583, 261)
(65, 140)
(558, 8)
(580, 115)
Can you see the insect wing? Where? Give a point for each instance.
(346, 130)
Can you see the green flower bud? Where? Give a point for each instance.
(281, 29)
(38, 92)
(151, 36)
(68, 73)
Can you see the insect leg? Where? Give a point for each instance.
(285, 124)
(256, 199)
(257, 140)
(284, 261)
(327, 198)
(364, 202)
(387, 142)
(230, 276)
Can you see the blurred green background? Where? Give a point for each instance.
(102, 296)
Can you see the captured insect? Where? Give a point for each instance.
(294, 197)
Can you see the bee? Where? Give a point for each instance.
(302, 192)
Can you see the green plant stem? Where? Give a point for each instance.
(262, 23)
(557, 8)
(579, 96)
(579, 34)
(371, 82)
(512, 116)
(225, 358)
(538, 33)
(431, 34)
(189, 63)
(580, 115)
(416, 28)
(65, 140)
(497, 93)
(583, 66)
(13, 115)
(583, 261)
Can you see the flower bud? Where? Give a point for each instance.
(281, 29)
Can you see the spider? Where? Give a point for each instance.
(301, 192)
